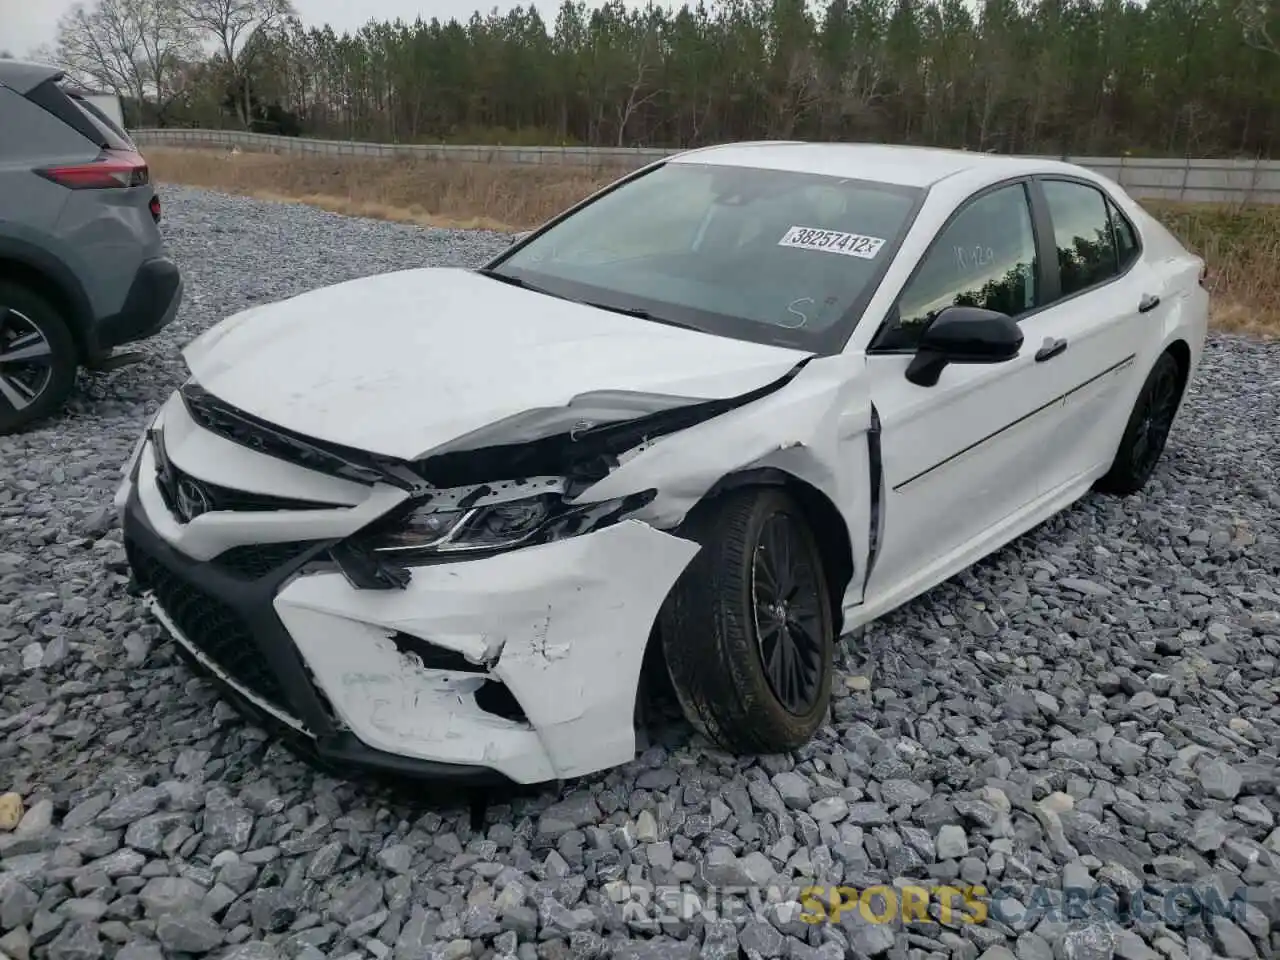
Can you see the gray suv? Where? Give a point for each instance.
(83, 268)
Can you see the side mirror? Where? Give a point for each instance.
(963, 335)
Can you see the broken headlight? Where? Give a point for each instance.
(495, 527)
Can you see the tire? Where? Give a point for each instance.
(710, 628)
(1147, 431)
(37, 387)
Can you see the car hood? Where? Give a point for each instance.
(403, 364)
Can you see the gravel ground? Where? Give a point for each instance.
(1095, 708)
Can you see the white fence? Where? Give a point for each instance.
(1203, 181)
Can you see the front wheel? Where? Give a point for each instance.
(748, 629)
(1147, 431)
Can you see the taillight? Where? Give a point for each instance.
(155, 209)
(112, 169)
(1204, 275)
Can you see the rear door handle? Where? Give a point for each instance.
(1050, 349)
(1148, 303)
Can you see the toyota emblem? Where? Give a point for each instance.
(192, 500)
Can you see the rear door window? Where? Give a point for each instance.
(1126, 237)
(1082, 234)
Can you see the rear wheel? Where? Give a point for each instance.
(1147, 431)
(37, 359)
(747, 631)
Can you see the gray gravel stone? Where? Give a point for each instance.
(130, 807)
(76, 941)
(951, 842)
(1220, 780)
(188, 933)
(165, 895)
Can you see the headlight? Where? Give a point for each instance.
(430, 531)
(502, 525)
(127, 470)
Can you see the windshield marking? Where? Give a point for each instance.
(832, 241)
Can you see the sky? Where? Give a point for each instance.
(26, 24)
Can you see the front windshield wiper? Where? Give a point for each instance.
(508, 278)
(641, 314)
(637, 312)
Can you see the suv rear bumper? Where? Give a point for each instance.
(149, 307)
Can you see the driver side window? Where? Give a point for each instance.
(986, 257)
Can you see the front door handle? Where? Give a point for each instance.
(1050, 349)
(1148, 303)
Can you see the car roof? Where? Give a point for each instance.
(24, 76)
(882, 163)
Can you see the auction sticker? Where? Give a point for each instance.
(832, 241)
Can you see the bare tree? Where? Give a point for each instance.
(645, 63)
(131, 47)
(233, 25)
(167, 39)
(102, 46)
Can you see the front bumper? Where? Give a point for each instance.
(150, 305)
(522, 666)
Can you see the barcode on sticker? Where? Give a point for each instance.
(832, 241)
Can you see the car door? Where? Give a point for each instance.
(962, 457)
(1103, 307)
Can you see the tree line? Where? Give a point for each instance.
(1082, 77)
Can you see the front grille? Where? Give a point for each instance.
(224, 420)
(212, 626)
(225, 498)
(187, 496)
(254, 561)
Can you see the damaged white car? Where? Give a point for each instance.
(738, 403)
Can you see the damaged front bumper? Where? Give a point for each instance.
(521, 666)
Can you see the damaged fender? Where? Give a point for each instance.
(562, 625)
(814, 429)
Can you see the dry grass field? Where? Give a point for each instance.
(1240, 244)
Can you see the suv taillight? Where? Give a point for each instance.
(112, 169)
(155, 209)
(1204, 275)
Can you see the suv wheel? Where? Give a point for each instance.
(37, 359)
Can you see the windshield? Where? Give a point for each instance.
(770, 256)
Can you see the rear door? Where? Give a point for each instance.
(1102, 309)
(963, 456)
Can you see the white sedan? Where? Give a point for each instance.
(743, 401)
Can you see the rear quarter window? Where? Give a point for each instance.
(31, 135)
(116, 138)
(72, 112)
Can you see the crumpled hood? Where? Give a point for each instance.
(402, 363)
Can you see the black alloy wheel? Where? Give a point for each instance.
(1147, 430)
(748, 630)
(1159, 405)
(788, 619)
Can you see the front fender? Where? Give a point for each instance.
(816, 429)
